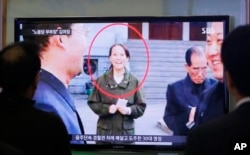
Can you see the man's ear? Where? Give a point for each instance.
(186, 67)
(57, 40)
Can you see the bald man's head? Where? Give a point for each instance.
(19, 65)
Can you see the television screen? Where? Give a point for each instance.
(134, 87)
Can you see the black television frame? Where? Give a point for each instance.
(132, 148)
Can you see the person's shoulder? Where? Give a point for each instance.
(50, 130)
(211, 88)
(211, 80)
(103, 77)
(205, 139)
(47, 93)
(216, 126)
(177, 83)
(43, 115)
(181, 81)
(132, 77)
(208, 131)
(41, 86)
(8, 149)
(49, 81)
(48, 118)
(46, 83)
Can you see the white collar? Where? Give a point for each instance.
(243, 100)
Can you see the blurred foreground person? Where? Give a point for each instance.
(24, 127)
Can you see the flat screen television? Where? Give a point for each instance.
(157, 46)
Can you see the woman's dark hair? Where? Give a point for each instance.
(125, 49)
(121, 45)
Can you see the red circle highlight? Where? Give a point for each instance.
(147, 67)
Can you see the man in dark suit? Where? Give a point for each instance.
(219, 135)
(23, 127)
(182, 96)
(212, 103)
(62, 60)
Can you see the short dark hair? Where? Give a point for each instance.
(235, 55)
(19, 65)
(43, 40)
(190, 51)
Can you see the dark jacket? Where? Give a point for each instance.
(181, 96)
(212, 104)
(52, 96)
(30, 130)
(116, 124)
(218, 136)
(6, 149)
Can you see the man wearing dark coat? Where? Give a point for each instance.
(183, 95)
(59, 66)
(221, 135)
(213, 102)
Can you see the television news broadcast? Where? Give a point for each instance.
(157, 47)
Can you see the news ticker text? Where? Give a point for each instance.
(41, 32)
(134, 138)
